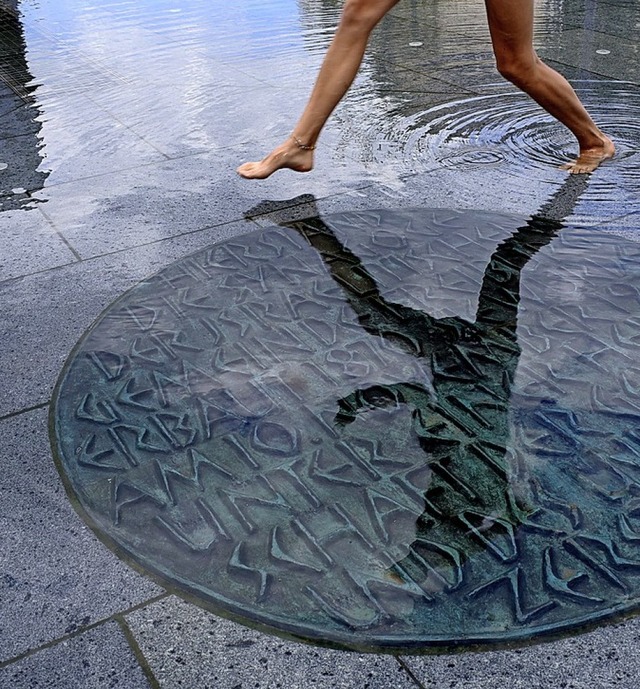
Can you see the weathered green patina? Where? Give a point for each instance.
(384, 430)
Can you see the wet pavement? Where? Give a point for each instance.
(121, 125)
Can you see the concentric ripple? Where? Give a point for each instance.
(504, 125)
(507, 131)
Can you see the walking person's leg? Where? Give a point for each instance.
(511, 27)
(339, 68)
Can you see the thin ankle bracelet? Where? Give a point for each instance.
(300, 145)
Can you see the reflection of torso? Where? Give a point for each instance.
(465, 429)
(461, 421)
(473, 491)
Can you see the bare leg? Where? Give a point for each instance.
(339, 68)
(511, 27)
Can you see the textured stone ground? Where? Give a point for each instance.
(120, 129)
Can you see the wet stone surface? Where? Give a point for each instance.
(504, 139)
(384, 429)
(20, 141)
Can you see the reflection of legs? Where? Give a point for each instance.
(511, 26)
(338, 71)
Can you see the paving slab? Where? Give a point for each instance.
(29, 244)
(55, 577)
(61, 69)
(614, 19)
(602, 53)
(470, 19)
(179, 119)
(188, 647)
(600, 659)
(81, 140)
(97, 659)
(44, 315)
(270, 42)
(433, 189)
(451, 51)
(20, 170)
(121, 210)
(20, 143)
(17, 118)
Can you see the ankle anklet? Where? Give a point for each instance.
(300, 145)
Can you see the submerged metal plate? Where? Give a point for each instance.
(383, 430)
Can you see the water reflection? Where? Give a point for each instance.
(172, 74)
(461, 419)
(216, 423)
(293, 425)
(20, 142)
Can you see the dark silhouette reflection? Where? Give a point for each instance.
(20, 140)
(462, 418)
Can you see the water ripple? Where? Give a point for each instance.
(512, 126)
(507, 131)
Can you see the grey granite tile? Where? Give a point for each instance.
(55, 576)
(615, 19)
(64, 32)
(464, 66)
(576, 74)
(97, 659)
(122, 210)
(471, 75)
(20, 172)
(384, 140)
(619, 3)
(62, 65)
(185, 118)
(81, 140)
(146, 59)
(268, 213)
(456, 45)
(485, 189)
(231, 32)
(383, 77)
(439, 47)
(427, 190)
(188, 647)
(464, 17)
(288, 73)
(16, 117)
(579, 48)
(29, 244)
(602, 659)
(268, 37)
(44, 315)
(481, 189)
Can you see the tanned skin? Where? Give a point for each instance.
(511, 28)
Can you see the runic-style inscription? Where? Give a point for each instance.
(385, 429)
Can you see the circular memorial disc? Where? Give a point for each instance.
(383, 430)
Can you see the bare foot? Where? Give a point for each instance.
(288, 155)
(590, 158)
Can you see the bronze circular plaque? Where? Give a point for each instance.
(383, 430)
